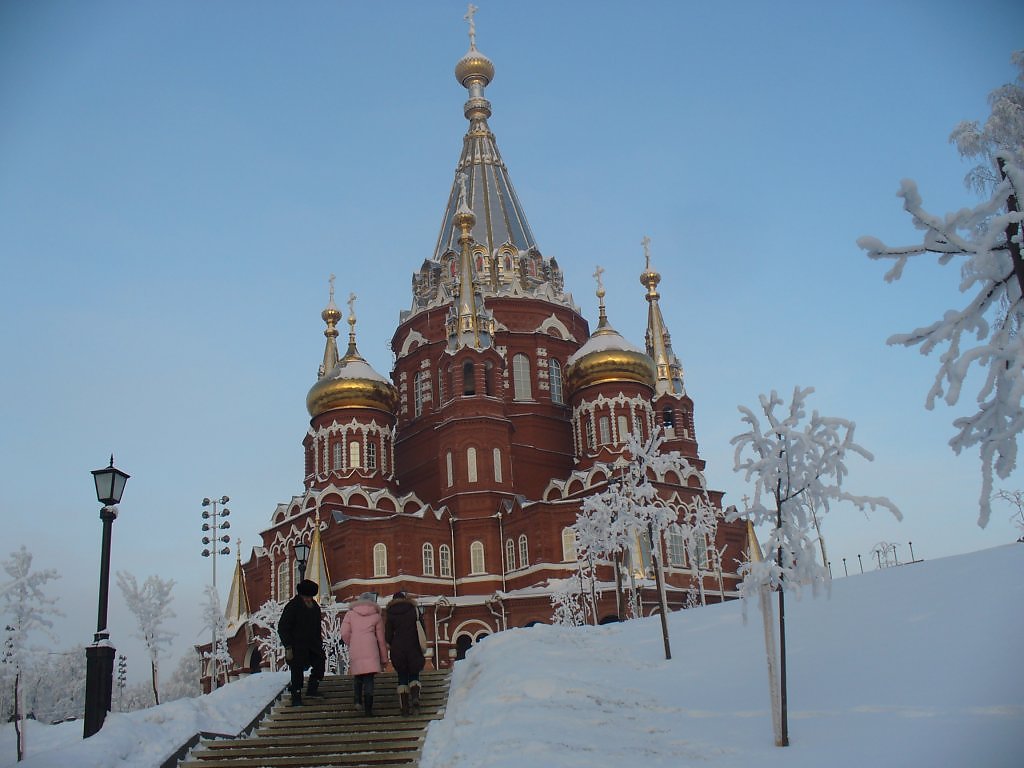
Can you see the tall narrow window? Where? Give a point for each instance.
(419, 391)
(604, 431)
(353, 454)
(440, 387)
(668, 418)
(371, 455)
(622, 425)
(589, 424)
(476, 557)
(676, 548)
(444, 561)
(521, 377)
(471, 464)
(497, 465)
(701, 547)
(338, 449)
(568, 545)
(510, 555)
(428, 559)
(524, 551)
(555, 380)
(284, 592)
(468, 378)
(489, 378)
(380, 560)
(448, 466)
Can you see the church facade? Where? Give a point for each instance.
(457, 478)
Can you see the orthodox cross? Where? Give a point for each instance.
(352, 308)
(646, 243)
(470, 12)
(746, 501)
(331, 281)
(597, 276)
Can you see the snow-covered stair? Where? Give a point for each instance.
(332, 732)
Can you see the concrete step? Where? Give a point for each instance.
(333, 731)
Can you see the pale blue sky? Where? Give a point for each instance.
(177, 181)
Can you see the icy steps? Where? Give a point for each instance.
(332, 731)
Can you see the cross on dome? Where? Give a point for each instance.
(646, 243)
(331, 280)
(351, 307)
(470, 13)
(600, 285)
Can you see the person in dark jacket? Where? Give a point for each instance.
(300, 632)
(403, 638)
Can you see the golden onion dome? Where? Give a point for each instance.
(474, 64)
(353, 383)
(606, 357)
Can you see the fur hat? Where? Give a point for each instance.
(307, 588)
(400, 595)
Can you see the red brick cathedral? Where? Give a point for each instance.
(457, 479)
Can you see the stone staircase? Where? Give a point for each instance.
(332, 732)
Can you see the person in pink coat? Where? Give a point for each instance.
(362, 631)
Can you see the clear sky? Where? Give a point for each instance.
(178, 180)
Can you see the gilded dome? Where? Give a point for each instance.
(607, 356)
(353, 383)
(472, 64)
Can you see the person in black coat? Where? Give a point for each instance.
(300, 632)
(402, 634)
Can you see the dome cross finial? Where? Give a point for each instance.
(470, 13)
(646, 243)
(331, 280)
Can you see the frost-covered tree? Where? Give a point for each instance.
(265, 623)
(1016, 500)
(985, 241)
(215, 622)
(26, 609)
(150, 604)
(183, 682)
(797, 465)
(330, 628)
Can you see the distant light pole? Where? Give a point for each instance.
(895, 556)
(845, 572)
(302, 557)
(861, 563)
(99, 656)
(212, 538)
(911, 545)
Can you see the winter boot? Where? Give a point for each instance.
(403, 699)
(313, 690)
(414, 696)
(368, 706)
(296, 698)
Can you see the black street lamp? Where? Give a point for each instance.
(302, 557)
(99, 657)
(212, 540)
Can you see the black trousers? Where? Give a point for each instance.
(313, 658)
(363, 685)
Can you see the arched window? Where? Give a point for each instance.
(521, 377)
(524, 551)
(497, 465)
(489, 378)
(479, 263)
(701, 547)
(568, 545)
(451, 470)
(353, 454)
(428, 559)
(380, 560)
(338, 450)
(420, 392)
(589, 425)
(468, 378)
(622, 425)
(510, 555)
(283, 584)
(668, 418)
(676, 548)
(555, 380)
(440, 387)
(371, 455)
(471, 464)
(604, 431)
(476, 557)
(444, 561)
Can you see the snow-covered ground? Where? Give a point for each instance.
(918, 665)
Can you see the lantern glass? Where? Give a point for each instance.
(302, 552)
(110, 483)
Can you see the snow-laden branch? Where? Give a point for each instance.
(986, 242)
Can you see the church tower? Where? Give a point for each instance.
(458, 477)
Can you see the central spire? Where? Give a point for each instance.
(659, 342)
(499, 216)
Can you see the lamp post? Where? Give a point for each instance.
(302, 557)
(99, 656)
(212, 538)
